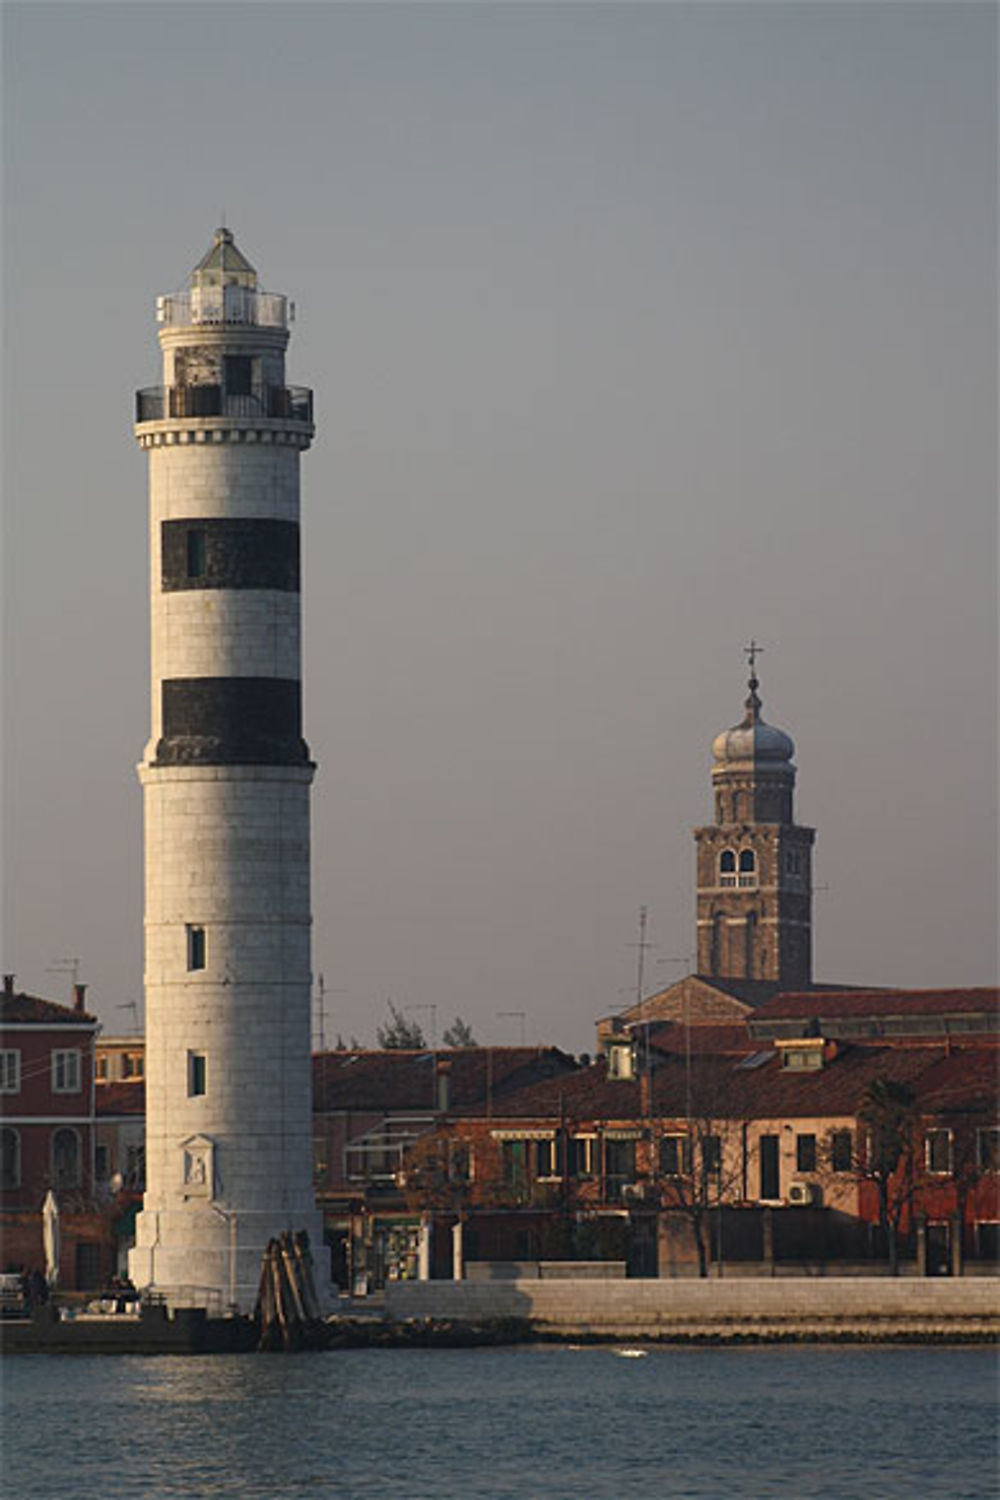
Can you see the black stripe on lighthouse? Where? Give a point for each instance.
(231, 721)
(229, 554)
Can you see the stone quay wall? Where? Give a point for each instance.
(862, 1308)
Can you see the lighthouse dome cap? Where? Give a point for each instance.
(224, 263)
(752, 739)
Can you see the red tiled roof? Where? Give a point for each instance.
(792, 1005)
(964, 1078)
(29, 1009)
(583, 1094)
(396, 1079)
(724, 1087)
(703, 1036)
(123, 1097)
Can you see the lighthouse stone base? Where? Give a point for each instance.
(212, 1258)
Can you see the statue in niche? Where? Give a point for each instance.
(198, 1166)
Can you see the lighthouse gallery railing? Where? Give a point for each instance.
(158, 403)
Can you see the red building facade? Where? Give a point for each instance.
(47, 1132)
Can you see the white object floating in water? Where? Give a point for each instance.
(630, 1353)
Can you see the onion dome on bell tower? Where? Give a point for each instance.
(753, 773)
(754, 861)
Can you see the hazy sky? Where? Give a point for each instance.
(634, 331)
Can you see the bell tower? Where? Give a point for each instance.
(226, 781)
(754, 862)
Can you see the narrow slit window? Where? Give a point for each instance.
(196, 554)
(197, 1074)
(195, 947)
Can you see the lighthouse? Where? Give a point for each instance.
(226, 779)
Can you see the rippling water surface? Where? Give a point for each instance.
(544, 1423)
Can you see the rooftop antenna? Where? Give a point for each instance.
(515, 1015)
(133, 1006)
(642, 947)
(66, 966)
(689, 960)
(321, 994)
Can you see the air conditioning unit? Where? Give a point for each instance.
(802, 1193)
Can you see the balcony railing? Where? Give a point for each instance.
(225, 304)
(288, 403)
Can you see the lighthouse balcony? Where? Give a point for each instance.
(225, 304)
(286, 403)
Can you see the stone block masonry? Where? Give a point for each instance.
(855, 1308)
(226, 778)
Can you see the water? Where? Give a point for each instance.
(538, 1423)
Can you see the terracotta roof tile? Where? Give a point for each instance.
(792, 1005)
(703, 1036)
(724, 1086)
(122, 1097)
(396, 1079)
(21, 1008)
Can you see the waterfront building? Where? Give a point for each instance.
(371, 1111)
(47, 1132)
(759, 1144)
(226, 779)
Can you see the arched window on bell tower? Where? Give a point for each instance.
(727, 867)
(748, 868)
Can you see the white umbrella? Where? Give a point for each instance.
(50, 1238)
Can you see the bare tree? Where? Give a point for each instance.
(437, 1173)
(887, 1155)
(698, 1167)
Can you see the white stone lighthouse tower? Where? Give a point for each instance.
(226, 777)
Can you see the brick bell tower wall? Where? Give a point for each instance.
(754, 862)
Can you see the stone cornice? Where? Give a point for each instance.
(204, 431)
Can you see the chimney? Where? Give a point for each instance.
(8, 984)
(443, 1085)
(79, 991)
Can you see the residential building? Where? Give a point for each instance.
(47, 1131)
(371, 1111)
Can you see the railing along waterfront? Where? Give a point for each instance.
(289, 403)
(225, 304)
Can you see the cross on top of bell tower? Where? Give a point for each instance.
(753, 704)
(751, 653)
